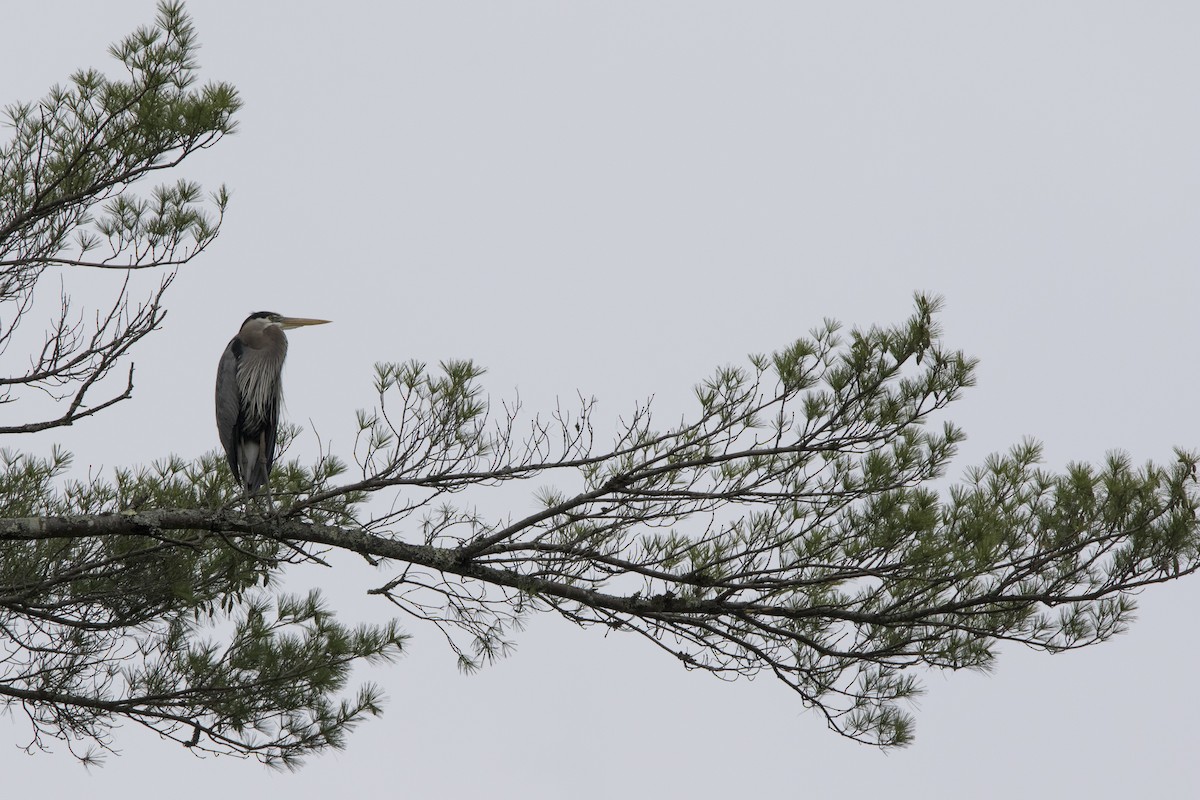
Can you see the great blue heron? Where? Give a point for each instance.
(250, 393)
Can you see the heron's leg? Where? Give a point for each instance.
(248, 498)
(265, 471)
(259, 497)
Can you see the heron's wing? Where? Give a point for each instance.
(229, 406)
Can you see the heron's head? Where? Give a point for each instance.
(286, 323)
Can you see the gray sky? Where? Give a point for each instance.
(618, 197)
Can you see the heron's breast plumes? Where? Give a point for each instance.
(260, 385)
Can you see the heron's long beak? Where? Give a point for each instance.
(287, 323)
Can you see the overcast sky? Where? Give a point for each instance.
(615, 198)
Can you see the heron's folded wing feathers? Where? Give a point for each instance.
(229, 404)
